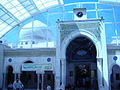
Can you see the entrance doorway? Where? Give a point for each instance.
(115, 78)
(29, 78)
(48, 80)
(9, 76)
(81, 65)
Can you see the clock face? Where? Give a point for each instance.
(79, 14)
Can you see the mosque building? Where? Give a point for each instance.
(80, 58)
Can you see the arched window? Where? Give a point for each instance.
(115, 77)
(28, 61)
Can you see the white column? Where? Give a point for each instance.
(104, 56)
(100, 73)
(57, 74)
(57, 61)
(63, 73)
(38, 79)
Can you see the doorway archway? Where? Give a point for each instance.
(81, 64)
(115, 78)
(9, 76)
(29, 78)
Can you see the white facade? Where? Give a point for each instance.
(67, 31)
(17, 58)
(94, 30)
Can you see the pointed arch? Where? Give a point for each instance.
(115, 77)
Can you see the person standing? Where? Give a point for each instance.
(17, 85)
(49, 87)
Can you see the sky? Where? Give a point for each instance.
(50, 18)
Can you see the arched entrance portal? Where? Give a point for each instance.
(81, 64)
(9, 76)
(29, 78)
(115, 78)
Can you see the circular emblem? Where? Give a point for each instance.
(79, 14)
(48, 59)
(10, 60)
(115, 58)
